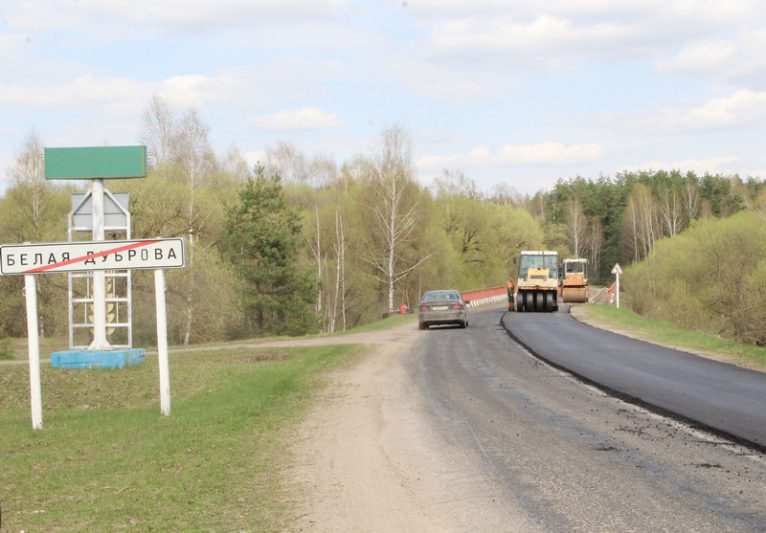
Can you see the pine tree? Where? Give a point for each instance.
(263, 245)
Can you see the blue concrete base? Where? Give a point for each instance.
(101, 359)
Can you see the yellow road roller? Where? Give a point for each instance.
(574, 281)
(536, 283)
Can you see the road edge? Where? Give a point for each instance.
(628, 398)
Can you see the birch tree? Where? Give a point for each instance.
(640, 217)
(394, 209)
(578, 227)
(159, 130)
(670, 209)
(34, 210)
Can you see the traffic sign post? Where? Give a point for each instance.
(617, 270)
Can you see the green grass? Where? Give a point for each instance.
(18, 346)
(669, 334)
(391, 322)
(106, 460)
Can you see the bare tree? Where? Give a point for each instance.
(234, 164)
(340, 272)
(394, 208)
(289, 162)
(192, 152)
(641, 214)
(691, 199)
(670, 210)
(578, 227)
(596, 240)
(28, 174)
(159, 129)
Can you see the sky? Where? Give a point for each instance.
(517, 94)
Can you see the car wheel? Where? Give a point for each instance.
(422, 325)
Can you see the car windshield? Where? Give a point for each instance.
(437, 296)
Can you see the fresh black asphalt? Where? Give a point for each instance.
(718, 396)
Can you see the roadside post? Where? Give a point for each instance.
(162, 341)
(35, 390)
(617, 270)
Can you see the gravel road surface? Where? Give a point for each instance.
(465, 430)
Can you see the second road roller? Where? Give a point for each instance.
(573, 287)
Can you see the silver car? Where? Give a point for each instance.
(442, 307)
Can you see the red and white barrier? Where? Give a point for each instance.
(488, 296)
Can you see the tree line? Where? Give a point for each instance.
(297, 244)
(302, 244)
(621, 218)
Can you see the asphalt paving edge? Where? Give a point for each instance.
(628, 398)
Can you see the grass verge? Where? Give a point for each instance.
(391, 322)
(626, 321)
(106, 460)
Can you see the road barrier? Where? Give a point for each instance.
(487, 296)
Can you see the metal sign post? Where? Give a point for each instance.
(99, 278)
(617, 270)
(162, 341)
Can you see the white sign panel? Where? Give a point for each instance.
(617, 269)
(86, 256)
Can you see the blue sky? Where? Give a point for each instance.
(517, 93)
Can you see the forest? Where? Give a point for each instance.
(301, 244)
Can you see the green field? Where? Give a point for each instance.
(106, 460)
(665, 333)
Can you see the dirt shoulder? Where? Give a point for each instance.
(365, 459)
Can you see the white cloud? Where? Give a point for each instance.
(119, 94)
(10, 45)
(545, 33)
(304, 118)
(736, 57)
(195, 90)
(80, 90)
(541, 154)
(96, 16)
(248, 88)
(712, 165)
(741, 108)
(554, 33)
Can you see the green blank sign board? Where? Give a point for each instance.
(93, 162)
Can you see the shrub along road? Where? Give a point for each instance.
(464, 430)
